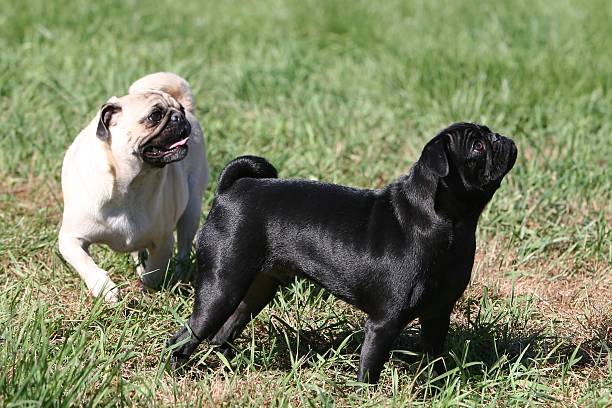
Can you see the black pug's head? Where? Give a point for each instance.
(469, 160)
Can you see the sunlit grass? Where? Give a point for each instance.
(342, 91)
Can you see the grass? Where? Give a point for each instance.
(344, 91)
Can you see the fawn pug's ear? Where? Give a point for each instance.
(106, 115)
(434, 157)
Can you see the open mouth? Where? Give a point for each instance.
(168, 143)
(159, 155)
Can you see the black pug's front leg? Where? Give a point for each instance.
(376, 348)
(434, 330)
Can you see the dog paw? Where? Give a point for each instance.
(107, 289)
(141, 259)
(176, 362)
(112, 296)
(181, 346)
(144, 289)
(182, 271)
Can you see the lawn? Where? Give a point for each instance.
(346, 92)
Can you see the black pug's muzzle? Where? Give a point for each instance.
(169, 142)
(504, 156)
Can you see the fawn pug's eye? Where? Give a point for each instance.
(155, 116)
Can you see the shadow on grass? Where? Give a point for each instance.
(490, 329)
(484, 331)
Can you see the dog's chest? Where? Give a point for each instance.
(131, 229)
(129, 232)
(441, 268)
(141, 218)
(451, 265)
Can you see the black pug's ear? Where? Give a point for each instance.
(106, 114)
(434, 157)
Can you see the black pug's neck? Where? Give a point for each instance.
(426, 191)
(456, 206)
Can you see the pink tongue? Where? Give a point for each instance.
(179, 143)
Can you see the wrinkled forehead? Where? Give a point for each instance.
(461, 134)
(141, 104)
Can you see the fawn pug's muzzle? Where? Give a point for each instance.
(168, 143)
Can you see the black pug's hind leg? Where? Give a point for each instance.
(379, 338)
(219, 293)
(260, 293)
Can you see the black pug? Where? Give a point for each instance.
(398, 253)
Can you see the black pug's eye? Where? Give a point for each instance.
(155, 116)
(478, 146)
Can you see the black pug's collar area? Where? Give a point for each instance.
(399, 253)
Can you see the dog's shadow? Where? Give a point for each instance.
(482, 336)
(485, 333)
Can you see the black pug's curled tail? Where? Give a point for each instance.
(245, 166)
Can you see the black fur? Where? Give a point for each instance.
(399, 253)
(245, 166)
